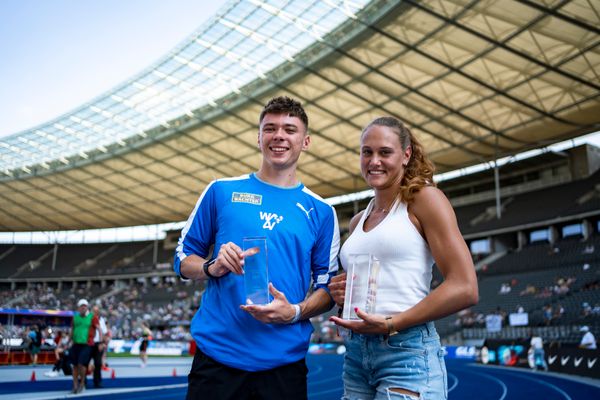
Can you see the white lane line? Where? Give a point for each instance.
(315, 371)
(455, 384)
(502, 384)
(64, 394)
(542, 382)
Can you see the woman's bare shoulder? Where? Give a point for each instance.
(355, 220)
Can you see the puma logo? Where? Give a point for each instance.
(300, 206)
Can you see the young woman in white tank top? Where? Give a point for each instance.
(409, 225)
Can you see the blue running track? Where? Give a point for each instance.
(466, 380)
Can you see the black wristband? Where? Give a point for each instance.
(208, 264)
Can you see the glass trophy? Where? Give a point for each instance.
(361, 285)
(256, 275)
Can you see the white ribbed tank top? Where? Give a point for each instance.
(405, 259)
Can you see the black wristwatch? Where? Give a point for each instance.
(208, 264)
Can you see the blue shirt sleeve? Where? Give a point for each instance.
(325, 253)
(199, 232)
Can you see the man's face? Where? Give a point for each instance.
(281, 139)
(83, 309)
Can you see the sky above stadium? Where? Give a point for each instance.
(59, 54)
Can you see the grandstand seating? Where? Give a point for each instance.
(539, 267)
(569, 252)
(15, 259)
(572, 198)
(35, 261)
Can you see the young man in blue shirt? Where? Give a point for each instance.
(248, 351)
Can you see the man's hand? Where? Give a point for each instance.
(368, 323)
(230, 259)
(279, 311)
(337, 288)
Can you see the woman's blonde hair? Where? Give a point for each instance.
(418, 173)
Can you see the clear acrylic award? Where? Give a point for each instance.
(361, 285)
(256, 276)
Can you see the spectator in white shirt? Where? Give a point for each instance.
(588, 341)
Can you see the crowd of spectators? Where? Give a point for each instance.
(123, 309)
(560, 287)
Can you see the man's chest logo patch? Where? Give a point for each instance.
(271, 219)
(250, 198)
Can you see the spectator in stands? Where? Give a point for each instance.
(529, 290)
(262, 345)
(408, 226)
(35, 343)
(586, 310)
(504, 288)
(559, 312)
(98, 348)
(586, 266)
(548, 314)
(502, 313)
(544, 293)
(82, 335)
(588, 341)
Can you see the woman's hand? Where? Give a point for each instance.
(337, 288)
(368, 323)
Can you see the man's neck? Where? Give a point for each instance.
(284, 178)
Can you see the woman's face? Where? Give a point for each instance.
(382, 159)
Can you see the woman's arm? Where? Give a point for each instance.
(432, 214)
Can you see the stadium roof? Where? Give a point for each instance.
(475, 80)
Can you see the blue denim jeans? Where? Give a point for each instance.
(412, 360)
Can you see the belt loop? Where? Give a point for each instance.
(428, 328)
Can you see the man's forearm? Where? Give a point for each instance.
(317, 303)
(191, 267)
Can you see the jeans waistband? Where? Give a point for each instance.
(427, 329)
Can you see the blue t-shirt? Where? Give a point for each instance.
(302, 243)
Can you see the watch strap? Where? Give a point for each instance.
(206, 266)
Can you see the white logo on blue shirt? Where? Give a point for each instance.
(300, 206)
(271, 219)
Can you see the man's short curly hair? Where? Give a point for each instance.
(285, 105)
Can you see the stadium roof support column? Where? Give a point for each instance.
(497, 181)
(155, 250)
(54, 254)
(586, 229)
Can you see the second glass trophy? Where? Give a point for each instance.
(256, 273)
(361, 285)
